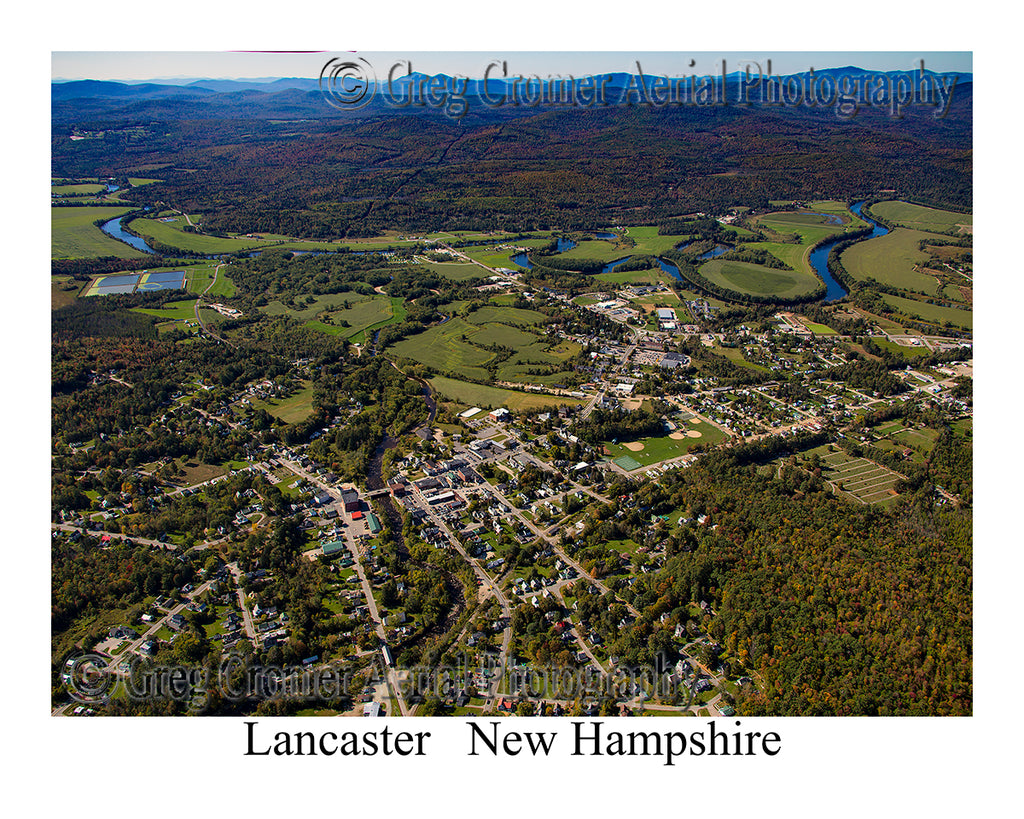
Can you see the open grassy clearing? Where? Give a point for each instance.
(63, 291)
(649, 242)
(901, 349)
(735, 355)
(818, 329)
(830, 206)
(934, 313)
(961, 293)
(308, 307)
(513, 316)
(759, 280)
(454, 271)
(801, 218)
(328, 313)
(74, 236)
(809, 227)
(447, 347)
(171, 233)
(919, 217)
(293, 409)
(493, 258)
(463, 345)
(597, 250)
(80, 189)
(479, 395)
(891, 259)
(194, 472)
(181, 310)
(138, 181)
(200, 276)
(652, 276)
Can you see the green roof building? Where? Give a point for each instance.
(335, 547)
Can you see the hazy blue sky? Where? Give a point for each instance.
(164, 65)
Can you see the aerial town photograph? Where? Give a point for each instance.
(598, 386)
(538, 407)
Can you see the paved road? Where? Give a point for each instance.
(487, 582)
(199, 302)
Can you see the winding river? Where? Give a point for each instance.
(113, 228)
(819, 256)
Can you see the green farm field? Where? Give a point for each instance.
(755, 279)
(596, 250)
(171, 233)
(919, 217)
(934, 313)
(81, 189)
(200, 276)
(652, 276)
(493, 258)
(74, 236)
(181, 310)
(479, 395)
(447, 347)
(455, 271)
(516, 317)
(891, 259)
(649, 242)
(363, 313)
(463, 345)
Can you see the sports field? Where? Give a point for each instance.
(74, 236)
(919, 217)
(650, 451)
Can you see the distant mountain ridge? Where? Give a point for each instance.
(617, 79)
